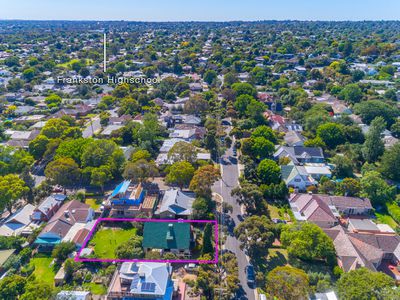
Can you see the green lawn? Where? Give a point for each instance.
(94, 203)
(105, 241)
(279, 212)
(69, 63)
(273, 211)
(276, 258)
(96, 288)
(43, 270)
(386, 219)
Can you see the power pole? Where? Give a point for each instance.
(105, 52)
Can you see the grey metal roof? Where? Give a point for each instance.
(177, 202)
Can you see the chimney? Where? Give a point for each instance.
(170, 233)
(66, 214)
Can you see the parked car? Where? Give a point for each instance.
(250, 275)
(277, 221)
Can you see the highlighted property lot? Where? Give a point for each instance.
(151, 240)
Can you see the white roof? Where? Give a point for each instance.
(177, 202)
(385, 228)
(154, 273)
(18, 222)
(76, 295)
(73, 231)
(182, 133)
(318, 170)
(20, 135)
(22, 215)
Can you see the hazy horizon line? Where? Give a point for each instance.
(203, 21)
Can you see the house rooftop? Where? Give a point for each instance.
(166, 235)
(177, 202)
(149, 278)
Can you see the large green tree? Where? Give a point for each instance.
(63, 171)
(62, 250)
(268, 171)
(288, 283)
(374, 187)
(11, 287)
(373, 146)
(103, 153)
(250, 196)
(308, 242)
(180, 173)
(351, 93)
(369, 110)
(262, 148)
(13, 160)
(207, 247)
(343, 166)
(183, 151)
(256, 235)
(363, 284)
(332, 134)
(390, 162)
(140, 171)
(203, 179)
(38, 146)
(12, 188)
(265, 132)
(73, 148)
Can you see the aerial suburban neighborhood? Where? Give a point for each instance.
(199, 160)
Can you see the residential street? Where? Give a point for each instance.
(230, 176)
(91, 129)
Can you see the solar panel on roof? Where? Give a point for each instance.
(148, 287)
(135, 282)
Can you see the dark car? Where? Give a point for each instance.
(250, 275)
(278, 221)
(234, 152)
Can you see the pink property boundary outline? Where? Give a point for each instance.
(86, 241)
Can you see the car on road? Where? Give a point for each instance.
(234, 152)
(240, 218)
(250, 275)
(278, 221)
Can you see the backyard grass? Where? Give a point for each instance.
(43, 270)
(386, 219)
(105, 241)
(94, 203)
(95, 288)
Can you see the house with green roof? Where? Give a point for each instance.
(296, 177)
(172, 237)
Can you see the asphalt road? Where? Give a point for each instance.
(92, 127)
(230, 176)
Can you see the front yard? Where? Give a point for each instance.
(283, 212)
(106, 240)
